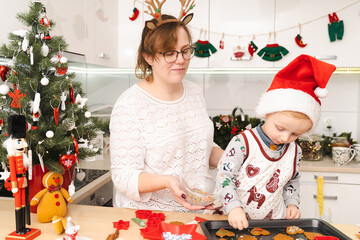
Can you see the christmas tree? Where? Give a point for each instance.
(36, 84)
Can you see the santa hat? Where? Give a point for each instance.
(298, 87)
(17, 126)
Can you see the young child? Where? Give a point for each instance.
(258, 172)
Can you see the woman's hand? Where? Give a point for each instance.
(292, 212)
(237, 218)
(173, 185)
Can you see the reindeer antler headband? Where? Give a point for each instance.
(155, 11)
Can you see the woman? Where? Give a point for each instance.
(159, 127)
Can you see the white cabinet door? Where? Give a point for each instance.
(315, 33)
(71, 23)
(341, 197)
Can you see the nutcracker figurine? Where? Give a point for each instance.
(16, 147)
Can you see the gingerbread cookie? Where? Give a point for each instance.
(311, 235)
(224, 233)
(292, 230)
(281, 236)
(259, 231)
(246, 237)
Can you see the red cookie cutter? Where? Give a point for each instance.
(200, 220)
(156, 234)
(121, 225)
(160, 216)
(325, 238)
(143, 214)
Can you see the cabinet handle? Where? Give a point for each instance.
(326, 57)
(328, 178)
(327, 197)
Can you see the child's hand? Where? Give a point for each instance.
(292, 212)
(237, 219)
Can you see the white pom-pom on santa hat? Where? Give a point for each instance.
(321, 92)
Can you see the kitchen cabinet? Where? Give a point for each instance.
(315, 34)
(341, 197)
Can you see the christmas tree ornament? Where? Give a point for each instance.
(25, 44)
(49, 134)
(4, 70)
(44, 21)
(31, 56)
(335, 27)
(21, 32)
(135, 12)
(83, 143)
(46, 36)
(44, 81)
(218, 125)
(76, 145)
(80, 175)
(63, 99)
(63, 60)
(56, 109)
(68, 160)
(80, 101)
(1, 125)
(44, 50)
(87, 114)
(298, 38)
(221, 44)
(16, 96)
(4, 89)
(71, 94)
(36, 110)
(41, 160)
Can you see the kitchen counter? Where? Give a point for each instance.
(96, 222)
(328, 165)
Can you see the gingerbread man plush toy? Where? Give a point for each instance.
(51, 200)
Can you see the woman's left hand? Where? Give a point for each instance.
(173, 185)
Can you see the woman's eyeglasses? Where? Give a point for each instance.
(172, 55)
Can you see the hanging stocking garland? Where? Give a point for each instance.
(252, 48)
(272, 52)
(335, 27)
(221, 44)
(298, 38)
(135, 13)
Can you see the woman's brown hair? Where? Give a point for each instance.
(162, 38)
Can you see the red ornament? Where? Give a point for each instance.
(56, 115)
(76, 145)
(71, 94)
(234, 130)
(16, 95)
(299, 42)
(68, 160)
(4, 70)
(61, 70)
(135, 14)
(225, 119)
(156, 15)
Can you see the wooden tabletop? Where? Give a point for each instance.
(96, 222)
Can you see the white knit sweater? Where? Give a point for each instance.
(160, 137)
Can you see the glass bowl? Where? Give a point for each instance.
(199, 189)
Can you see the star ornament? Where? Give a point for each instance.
(80, 101)
(218, 125)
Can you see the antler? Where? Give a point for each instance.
(185, 7)
(153, 10)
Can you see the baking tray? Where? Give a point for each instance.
(275, 226)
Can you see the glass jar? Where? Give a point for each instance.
(339, 142)
(312, 147)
